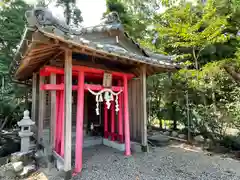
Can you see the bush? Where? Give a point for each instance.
(231, 142)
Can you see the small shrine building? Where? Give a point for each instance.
(85, 81)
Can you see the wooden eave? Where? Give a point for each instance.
(45, 46)
(46, 38)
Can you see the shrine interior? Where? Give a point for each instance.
(93, 123)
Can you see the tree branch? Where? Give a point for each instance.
(195, 58)
(3, 124)
(230, 70)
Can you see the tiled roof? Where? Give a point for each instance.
(41, 19)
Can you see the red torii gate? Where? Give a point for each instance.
(81, 72)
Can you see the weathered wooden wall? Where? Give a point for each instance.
(135, 108)
(48, 110)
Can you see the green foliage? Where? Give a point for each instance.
(191, 31)
(12, 26)
(135, 22)
(72, 13)
(231, 142)
(205, 38)
(117, 6)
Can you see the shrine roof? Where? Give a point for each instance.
(108, 38)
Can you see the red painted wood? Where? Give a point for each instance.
(53, 69)
(115, 135)
(98, 76)
(52, 86)
(95, 73)
(44, 73)
(105, 121)
(61, 119)
(100, 71)
(112, 121)
(121, 138)
(79, 125)
(120, 115)
(62, 122)
(50, 69)
(126, 117)
(56, 87)
(47, 70)
(93, 87)
(57, 122)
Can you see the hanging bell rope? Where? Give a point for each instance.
(108, 97)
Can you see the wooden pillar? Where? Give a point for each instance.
(42, 110)
(113, 121)
(120, 116)
(34, 97)
(79, 124)
(85, 121)
(35, 102)
(126, 117)
(68, 114)
(105, 121)
(53, 114)
(62, 122)
(144, 109)
(57, 123)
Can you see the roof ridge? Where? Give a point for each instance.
(41, 16)
(110, 18)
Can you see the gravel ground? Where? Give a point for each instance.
(163, 163)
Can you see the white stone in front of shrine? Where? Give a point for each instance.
(25, 132)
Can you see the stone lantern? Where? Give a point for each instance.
(25, 132)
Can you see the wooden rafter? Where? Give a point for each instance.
(44, 45)
(43, 48)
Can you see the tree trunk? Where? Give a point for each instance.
(2, 84)
(188, 119)
(160, 124)
(174, 117)
(4, 123)
(159, 113)
(235, 75)
(68, 13)
(174, 124)
(26, 98)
